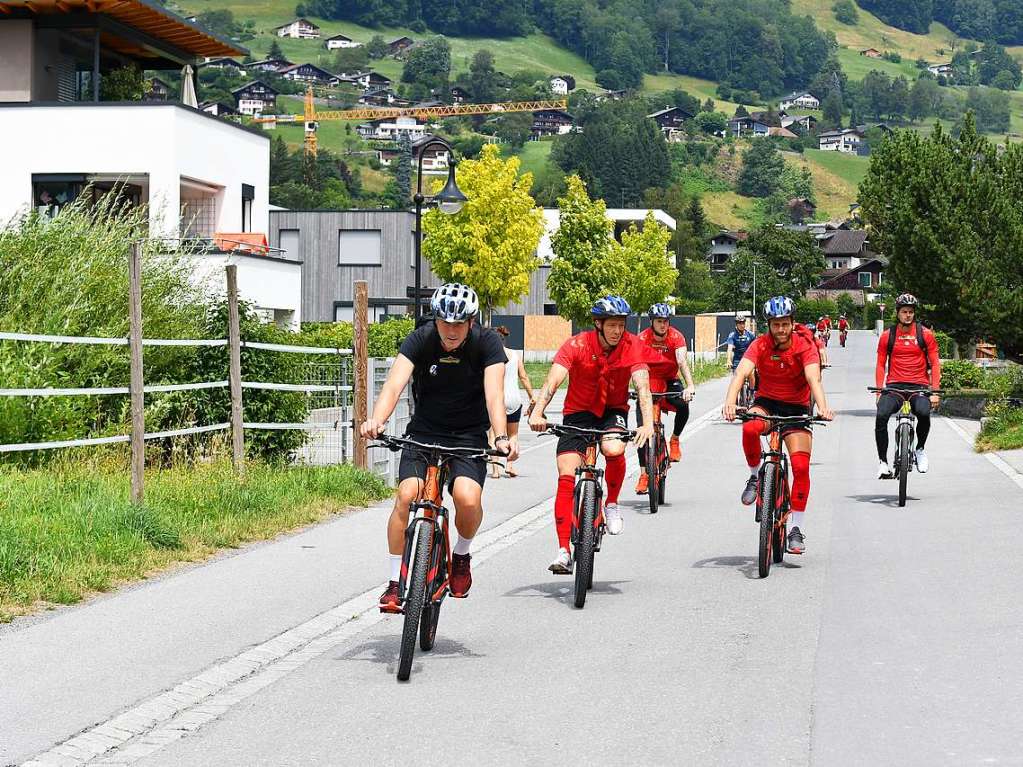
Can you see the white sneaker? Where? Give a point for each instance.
(883, 470)
(613, 519)
(562, 564)
(922, 464)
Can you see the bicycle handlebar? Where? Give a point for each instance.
(561, 430)
(745, 415)
(394, 444)
(918, 390)
(659, 395)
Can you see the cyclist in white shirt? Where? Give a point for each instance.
(514, 373)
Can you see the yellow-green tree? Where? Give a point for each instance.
(650, 275)
(491, 243)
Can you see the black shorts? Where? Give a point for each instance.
(413, 464)
(776, 407)
(612, 419)
(516, 416)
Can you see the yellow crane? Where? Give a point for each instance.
(311, 117)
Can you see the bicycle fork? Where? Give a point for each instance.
(434, 522)
(585, 475)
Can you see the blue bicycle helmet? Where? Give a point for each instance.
(611, 306)
(779, 306)
(660, 311)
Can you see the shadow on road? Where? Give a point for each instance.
(384, 650)
(856, 413)
(564, 590)
(883, 500)
(745, 565)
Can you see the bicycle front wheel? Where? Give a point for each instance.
(585, 541)
(415, 600)
(653, 474)
(431, 606)
(768, 480)
(903, 464)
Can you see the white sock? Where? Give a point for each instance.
(796, 520)
(395, 566)
(754, 470)
(462, 546)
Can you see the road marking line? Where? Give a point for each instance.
(996, 460)
(148, 727)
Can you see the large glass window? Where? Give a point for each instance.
(359, 247)
(864, 279)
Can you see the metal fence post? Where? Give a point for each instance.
(235, 353)
(138, 404)
(361, 353)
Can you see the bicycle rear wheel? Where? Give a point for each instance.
(903, 464)
(585, 540)
(653, 475)
(767, 491)
(662, 485)
(431, 608)
(415, 600)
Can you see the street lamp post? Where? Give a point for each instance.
(449, 199)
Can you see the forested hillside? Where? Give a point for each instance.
(999, 20)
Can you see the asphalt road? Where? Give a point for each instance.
(896, 639)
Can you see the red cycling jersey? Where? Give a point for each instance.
(780, 373)
(907, 364)
(822, 325)
(666, 368)
(599, 381)
(843, 324)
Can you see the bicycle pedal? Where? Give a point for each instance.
(391, 610)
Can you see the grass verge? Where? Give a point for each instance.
(1003, 429)
(69, 530)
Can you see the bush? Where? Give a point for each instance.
(961, 374)
(845, 12)
(809, 309)
(946, 345)
(384, 337)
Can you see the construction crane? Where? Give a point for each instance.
(311, 118)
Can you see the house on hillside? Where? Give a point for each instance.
(268, 65)
(366, 79)
(722, 247)
(223, 62)
(309, 73)
(459, 95)
(671, 120)
(299, 29)
(843, 249)
(807, 123)
(335, 42)
(781, 132)
(391, 128)
(801, 209)
(399, 45)
(801, 99)
(561, 85)
(847, 140)
(435, 159)
(378, 97)
(219, 109)
(940, 70)
(255, 97)
(751, 125)
(871, 53)
(551, 122)
(861, 282)
(157, 89)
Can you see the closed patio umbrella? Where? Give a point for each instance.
(188, 97)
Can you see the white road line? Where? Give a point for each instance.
(146, 728)
(996, 460)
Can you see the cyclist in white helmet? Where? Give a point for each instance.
(457, 373)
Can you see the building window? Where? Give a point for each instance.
(248, 195)
(359, 247)
(51, 192)
(550, 310)
(198, 217)
(864, 279)
(289, 242)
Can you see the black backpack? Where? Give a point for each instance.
(920, 344)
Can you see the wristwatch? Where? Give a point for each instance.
(500, 437)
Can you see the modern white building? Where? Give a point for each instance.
(300, 29)
(392, 128)
(801, 99)
(848, 141)
(202, 178)
(341, 41)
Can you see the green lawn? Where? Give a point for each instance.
(857, 66)
(534, 156)
(69, 530)
(849, 168)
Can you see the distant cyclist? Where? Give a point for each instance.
(457, 373)
(670, 346)
(907, 358)
(738, 342)
(843, 329)
(788, 371)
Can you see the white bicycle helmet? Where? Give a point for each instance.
(454, 302)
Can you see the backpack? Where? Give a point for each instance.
(921, 344)
(804, 332)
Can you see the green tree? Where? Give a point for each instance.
(483, 77)
(762, 166)
(350, 60)
(275, 51)
(428, 66)
(515, 128)
(876, 87)
(651, 276)
(122, 84)
(845, 12)
(898, 98)
(924, 97)
(992, 61)
(947, 212)
(832, 107)
(491, 243)
(787, 263)
(711, 122)
(403, 171)
(376, 47)
(587, 264)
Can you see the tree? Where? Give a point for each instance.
(845, 12)
(992, 61)
(586, 264)
(947, 212)
(650, 276)
(122, 84)
(483, 77)
(667, 19)
(832, 108)
(924, 97)
(515, 128)
(708, 105)
(428, 66)
(403, 171)
(876, 87)
(350, 60)
(376, 48)
(788, 263)
(762, 167)
(898, 98)
(711, 123)
(275, 51)
(491, 243)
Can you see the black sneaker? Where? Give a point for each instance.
(795, 543)
(749, 495)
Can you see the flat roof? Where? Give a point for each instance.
(144, 15)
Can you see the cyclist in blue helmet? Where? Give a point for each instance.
(788, 370)
(599, 365)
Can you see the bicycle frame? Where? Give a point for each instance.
(589, 472)
(428, 509)
(775, 456)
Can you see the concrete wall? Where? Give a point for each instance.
(165, 142)
(16, 60)
(272, 285)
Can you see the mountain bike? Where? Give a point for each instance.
(657, 459)
(747, 393)
(905, 431)
(588, 516)
(772, 510)
(426, 559)
(842, 336)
